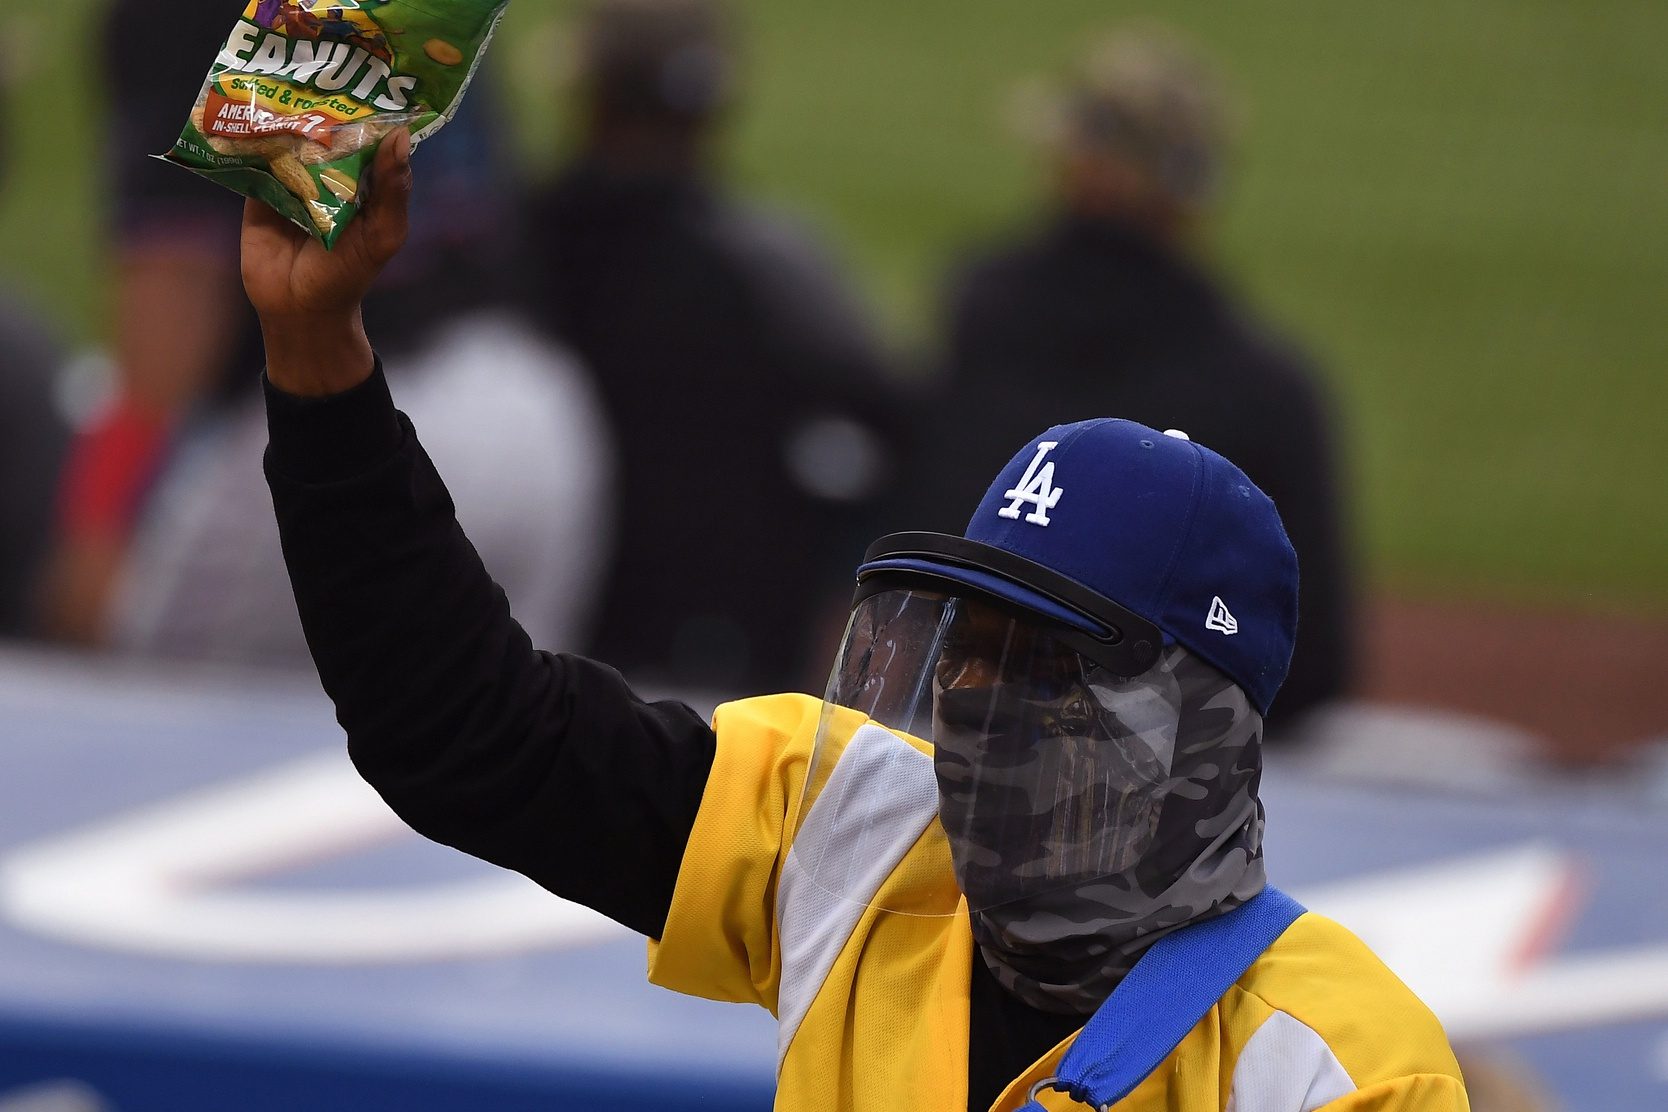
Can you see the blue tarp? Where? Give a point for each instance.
(510, 1024)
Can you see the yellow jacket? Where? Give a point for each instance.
(873, 1004)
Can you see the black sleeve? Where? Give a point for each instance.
(546, 764)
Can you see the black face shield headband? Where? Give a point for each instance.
(1122, 642)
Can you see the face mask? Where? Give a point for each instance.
(1041, 789)
(1189, 848)
(1086, 814)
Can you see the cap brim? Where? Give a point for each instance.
(1118, 638)
(990, 584)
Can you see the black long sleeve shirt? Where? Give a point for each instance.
(548, 764)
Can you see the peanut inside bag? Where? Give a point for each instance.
(303, 92)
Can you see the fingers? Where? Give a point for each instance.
(381, 227)
(267, 241)
(262, 220)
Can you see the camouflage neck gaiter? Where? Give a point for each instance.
(1064, 949)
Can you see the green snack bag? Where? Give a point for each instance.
(301, 95)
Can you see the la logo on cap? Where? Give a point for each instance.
(1036, 487)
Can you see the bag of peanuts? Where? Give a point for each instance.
(300, 97)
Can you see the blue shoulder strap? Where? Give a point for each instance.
(1170, 989)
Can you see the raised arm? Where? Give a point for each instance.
(546, 764)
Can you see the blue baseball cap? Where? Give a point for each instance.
(1128, 535)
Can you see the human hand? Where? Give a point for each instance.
(307, 297)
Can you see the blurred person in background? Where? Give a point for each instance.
(33, 439)
(744, 382)
(1106, 309)
(166, 544)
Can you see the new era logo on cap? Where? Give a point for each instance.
(1220, 619)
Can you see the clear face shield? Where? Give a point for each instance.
(1044, 766)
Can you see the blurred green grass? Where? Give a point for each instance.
(1459, 209)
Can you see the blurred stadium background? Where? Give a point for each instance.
(1459, 207)
(1460, 210)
